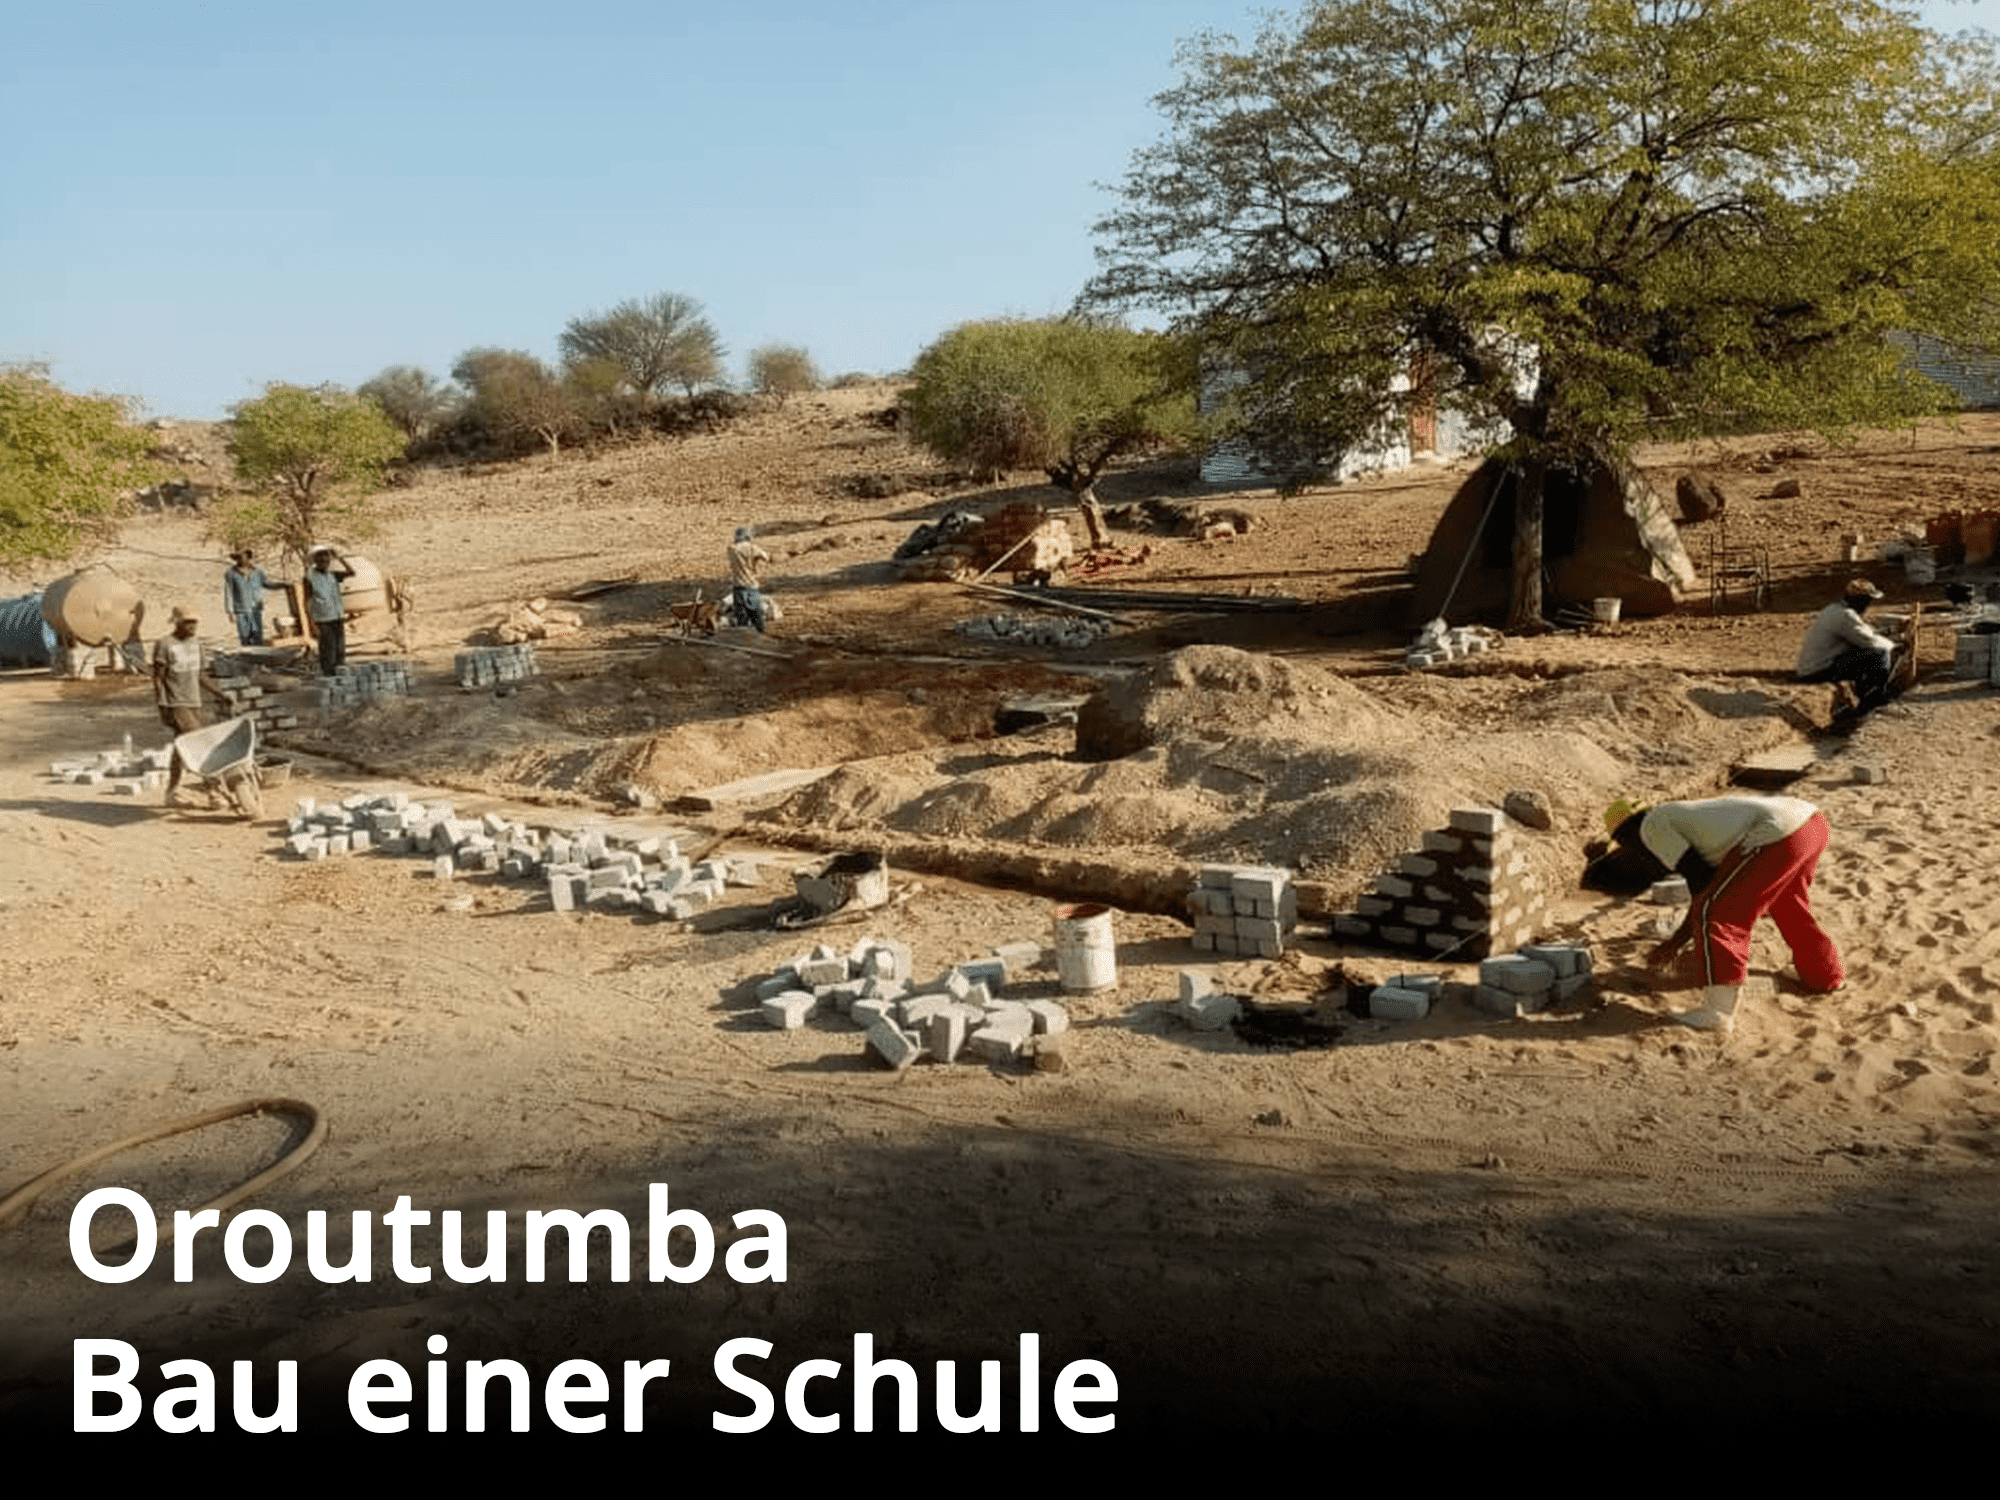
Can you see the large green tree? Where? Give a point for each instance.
(655, 341)
(1064, 395)
(313, 454)
(68, 465)
(1595, 219)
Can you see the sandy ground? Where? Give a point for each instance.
(1583, 1217)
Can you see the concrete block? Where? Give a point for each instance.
(1422, 916)
(1423, 984)
(1486, 820)
(1389, 1003)
(566, 890)
(1258, 931)
(1394, 886)
(945, 1031)
(788, 1011)
(815, 971)
(1211, 1012)
(1401, 937)
(1051, 1019)
(1216, 877)
(1499, 1002)
(1374, 906)
(999, 1043)
(896, 1047)
(871, 1012)
(1352, 927)
(1416, 864)
(1516, 974)
(991, 972)
(1259, 883)
(1440, 841)
(1564, 959)
(1194, 983)
(1441, 942)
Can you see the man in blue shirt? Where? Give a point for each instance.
(243, 597)
(326, 608)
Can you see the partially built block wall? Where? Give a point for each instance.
(1464, 893)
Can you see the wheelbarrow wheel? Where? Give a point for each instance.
(245, 794)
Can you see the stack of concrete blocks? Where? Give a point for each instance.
(1466, 893)
(246, 698)
(362, 682)
(486, 666)
(960, 1012)
(126, 771)
(1246, 910)
(1029, 541)
(1406, 997)
(1202, 1005)
(1518, 984)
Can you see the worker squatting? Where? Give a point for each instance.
(381, 1390)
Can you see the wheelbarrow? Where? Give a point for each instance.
(224, 756)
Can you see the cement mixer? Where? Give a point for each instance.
(90, 608)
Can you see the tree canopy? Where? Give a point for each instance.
(409, 397)
(1065, 395)
(68, 464)
(655, 341)
(315, 453)
(782, 370)
(1596, 219)
(512, 395)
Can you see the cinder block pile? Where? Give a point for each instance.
(961, 1012)
(125, 771)
(1518, 984)
(244, 697)
(1438, 643)
(617, 869)
(1070, 634)
(361, 682)
(1251, 910)
(485, 666)
(1465, 893)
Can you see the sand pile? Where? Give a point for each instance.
(1247, 759)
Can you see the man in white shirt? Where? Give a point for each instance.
(1744, 857)
(1842, 647)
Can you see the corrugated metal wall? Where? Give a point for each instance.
(1976, 377)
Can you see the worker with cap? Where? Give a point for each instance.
(243, 587)
(746, 587)
(177, 678)
(326, 608)
(1744, 858)
(1841, 647)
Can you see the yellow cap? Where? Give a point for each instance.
(1619, 811)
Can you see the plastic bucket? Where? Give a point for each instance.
(1086, 953)
(1605, 611)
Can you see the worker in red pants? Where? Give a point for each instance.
(1744, 857)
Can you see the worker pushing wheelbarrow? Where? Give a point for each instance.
(224, 757)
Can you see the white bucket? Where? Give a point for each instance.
(1605, 611)
(1086, 953)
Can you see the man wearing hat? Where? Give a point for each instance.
(1842, 647)
(327, 609)
(177, 677)
(243, 597)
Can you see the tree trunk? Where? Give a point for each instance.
(1093, 517)
(1525, 615)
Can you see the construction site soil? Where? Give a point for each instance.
(1586, 1215)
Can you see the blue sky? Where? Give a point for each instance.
(205, 197)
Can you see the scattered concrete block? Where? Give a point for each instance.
(1051, 1019)
(896, 1047)
(1211, 1012)
(945, 1031)
(788, 1011)
(1389, 1003)
(1517, 975)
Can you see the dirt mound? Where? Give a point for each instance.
(1209, 689)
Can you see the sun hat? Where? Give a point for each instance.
(1861, 588)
